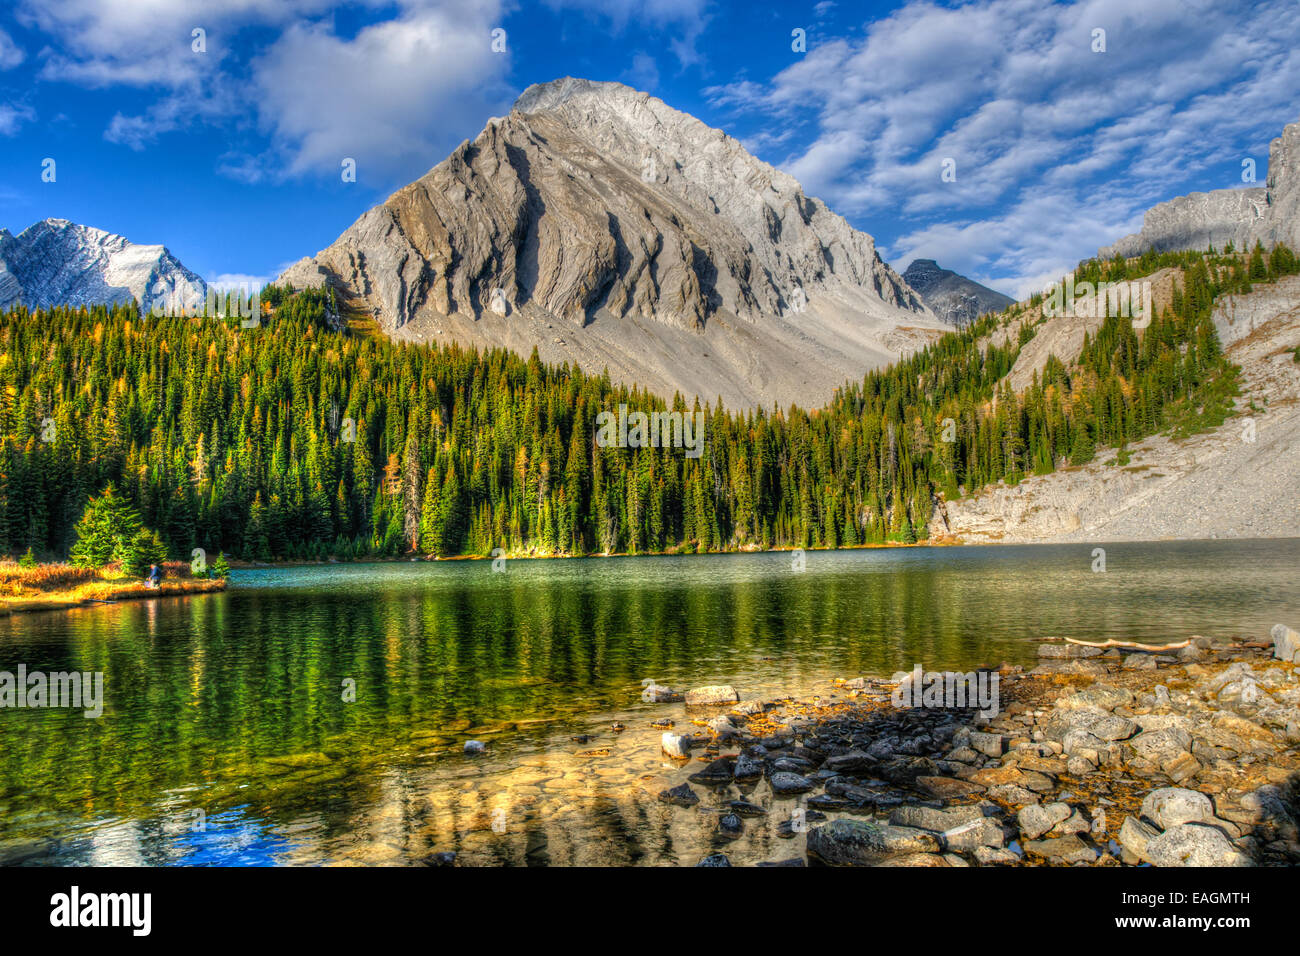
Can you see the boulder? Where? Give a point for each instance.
(1170, 806)
(1194, 844)
(715, 859)
(676, 745)
(1134, 836)
(1065, 849)
(1160, 746)
(716, 694)
(1286, 643)
(1036, 819)
(1099, 696)
(718, 772)
(1067, 651)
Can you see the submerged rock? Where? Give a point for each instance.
(717, 694)
(856, 842)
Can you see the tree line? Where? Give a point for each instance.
(302, 440)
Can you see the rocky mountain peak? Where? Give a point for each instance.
(594, 212)
(954, 298)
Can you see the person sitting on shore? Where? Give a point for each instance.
(154, 578)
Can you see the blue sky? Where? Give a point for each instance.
(230, 155)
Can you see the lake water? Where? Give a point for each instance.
(226, 737)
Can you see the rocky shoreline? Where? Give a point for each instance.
(1108, 757)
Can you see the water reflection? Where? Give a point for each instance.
(234, 704)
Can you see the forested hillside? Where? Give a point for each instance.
(297, 440)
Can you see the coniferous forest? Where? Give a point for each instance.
(300, 439)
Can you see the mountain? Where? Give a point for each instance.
(609, 230)
(57, 262)
(953, 298)
(1269, 214)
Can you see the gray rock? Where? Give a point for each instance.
(1099, 696)
(747, 768)
(1099, 723)
(676, 745)
(1160, 746)
(707, 696)
(715, 774)
(715, 859)
(934, 819)
(1064, 849)
(1194, 844)
(475, 747)
(992, 856)
(1036, 819)
(991, 745)
(1011, 793)
(1067, 651)
(1134, 835)
(1170, 806)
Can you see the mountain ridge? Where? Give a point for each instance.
(1243, 216)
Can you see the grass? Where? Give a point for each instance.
(43, 587)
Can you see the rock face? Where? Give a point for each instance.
(953, 298)
(604, 227)
(57, 262)
(1268, 214)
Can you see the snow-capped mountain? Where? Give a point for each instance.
(57, 262)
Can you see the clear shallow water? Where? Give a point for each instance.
(231, 706)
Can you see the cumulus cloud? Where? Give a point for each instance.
(1057, 149)
(386, 97)
(395, 95)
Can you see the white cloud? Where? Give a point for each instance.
(11, 54)
(396, 95)
(390, 97)
(1058, 149)
(12, 117)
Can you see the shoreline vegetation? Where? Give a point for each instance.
(26, 588)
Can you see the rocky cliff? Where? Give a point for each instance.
(1268, 214)
(608, 229)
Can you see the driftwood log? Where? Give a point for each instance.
(1133, 645)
